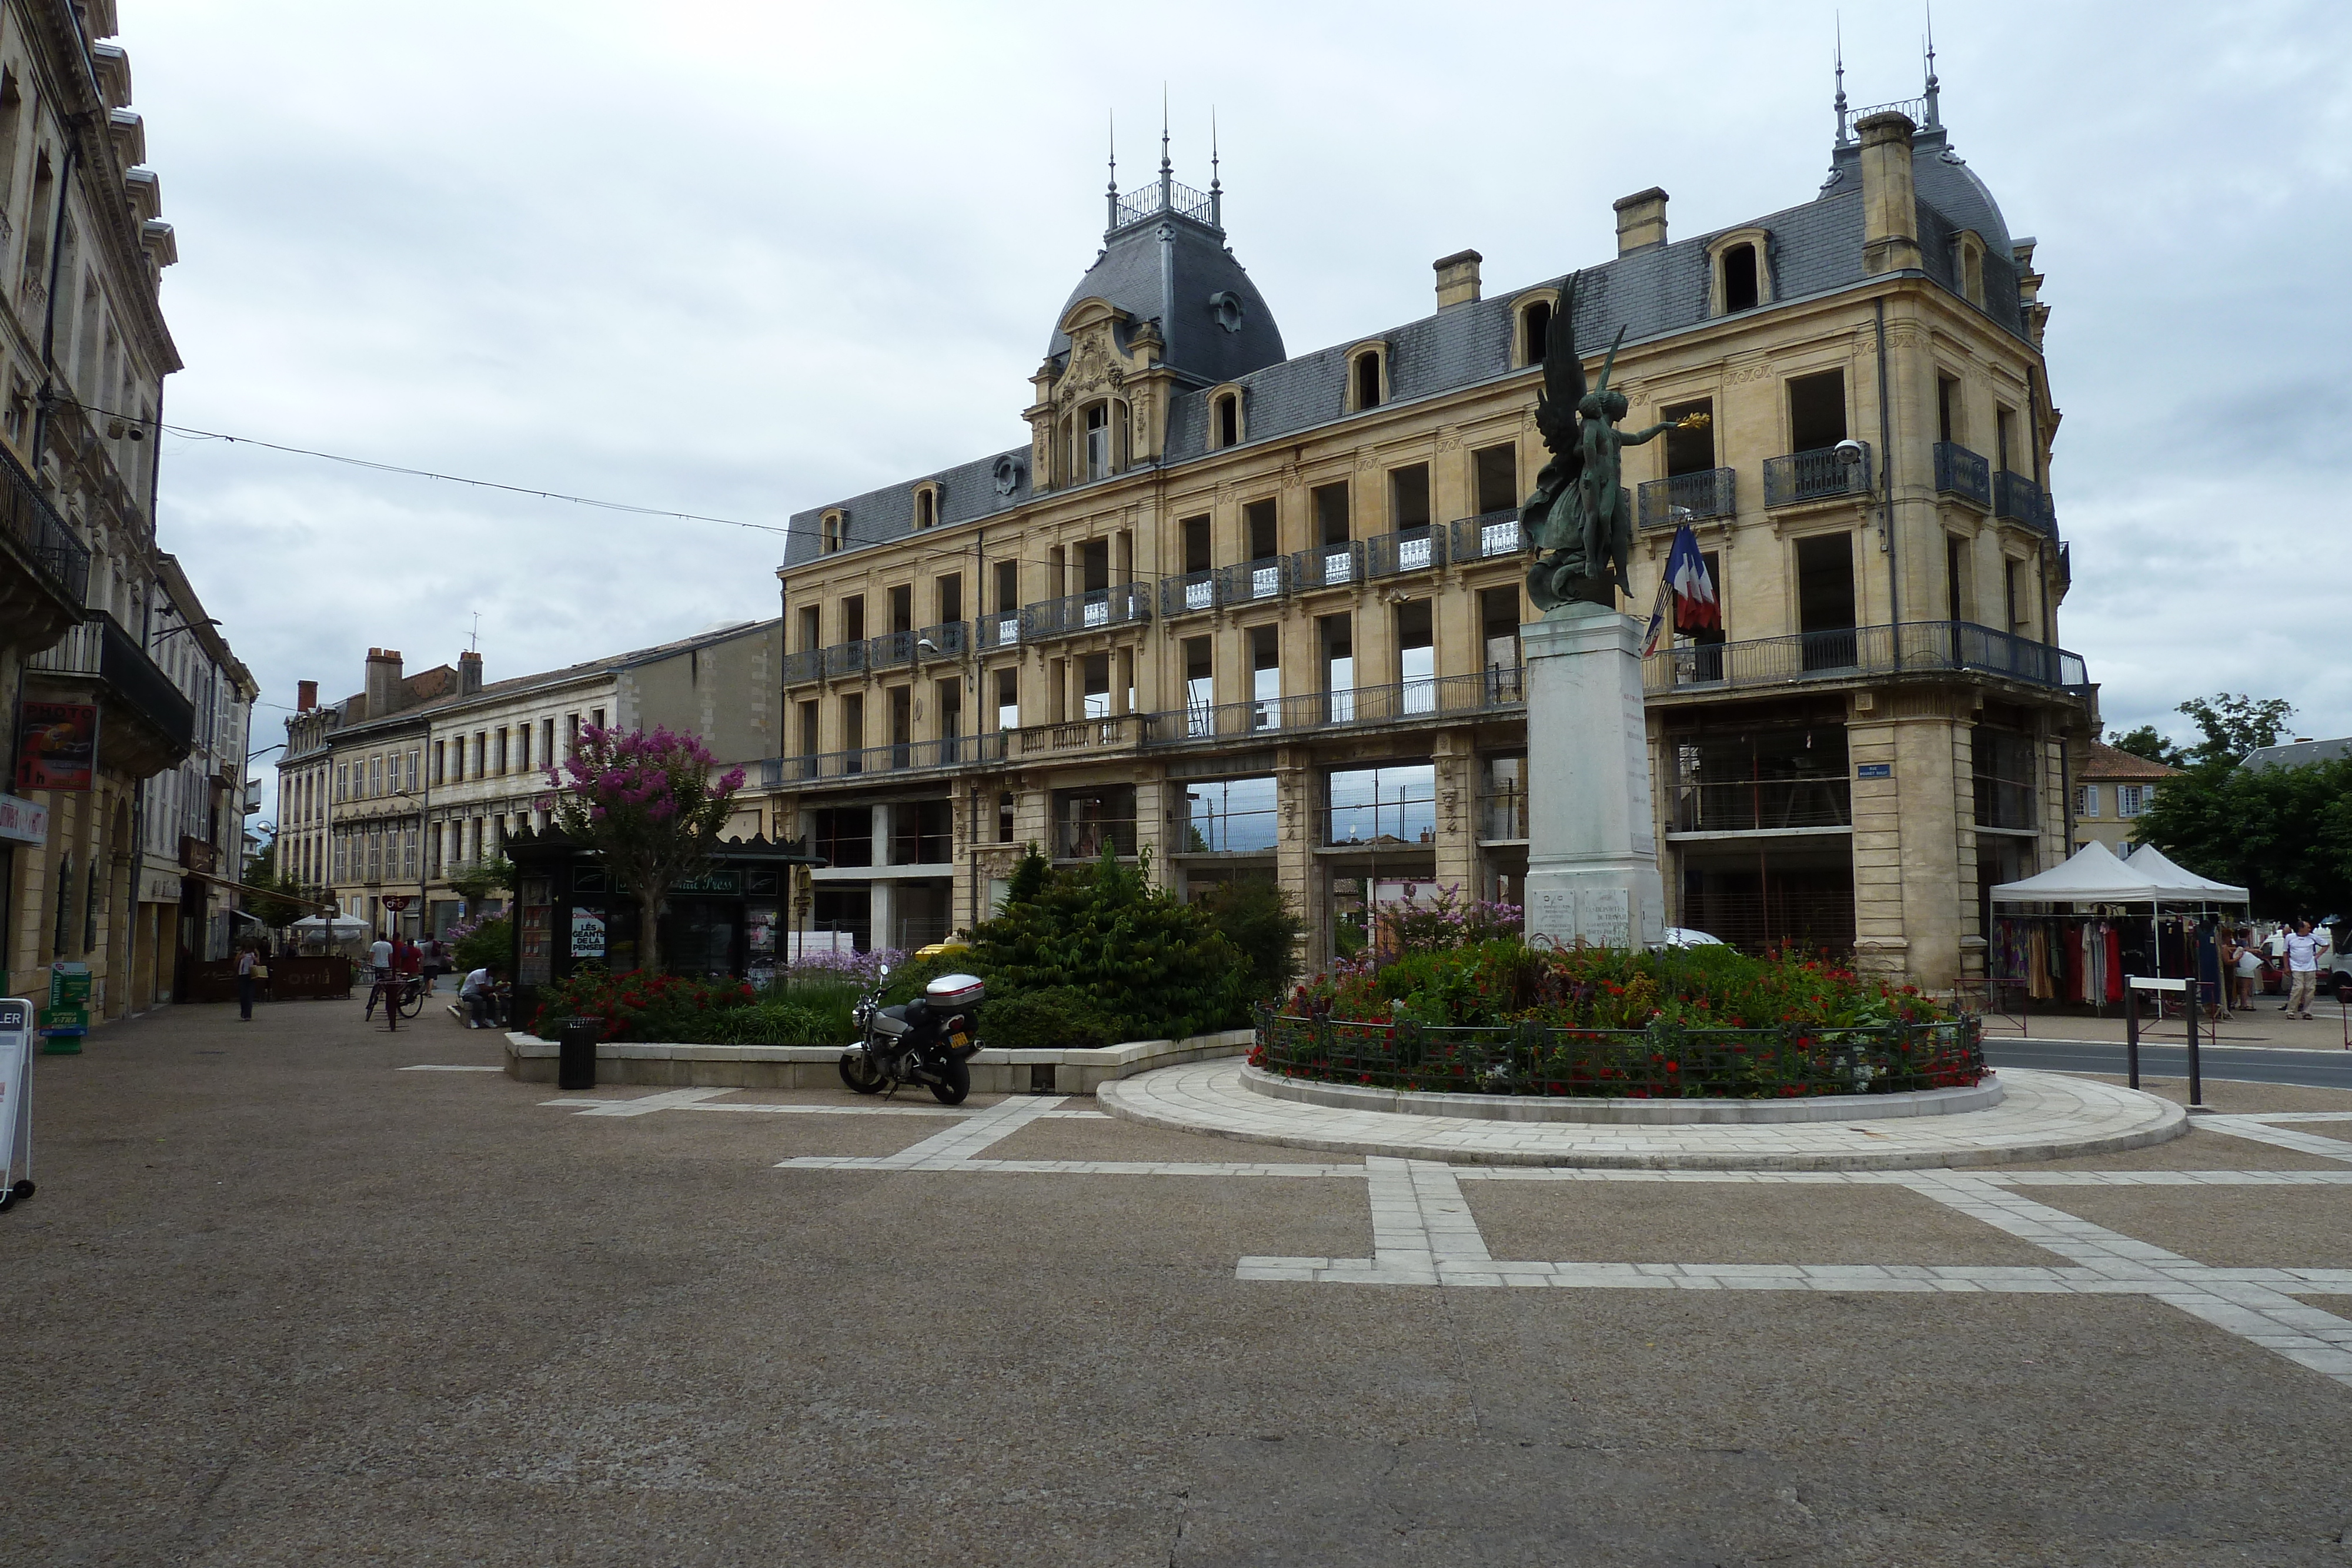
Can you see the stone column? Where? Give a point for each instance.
(1592, 851)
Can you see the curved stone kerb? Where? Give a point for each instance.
(1623, 1112)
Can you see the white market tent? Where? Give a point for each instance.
(344, 925)
(2151, 860)
(2095, 875)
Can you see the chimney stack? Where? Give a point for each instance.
(1458, 279)
(1640, 221)
(383, 681)
(306, 695)
(1890, 208)
(469, 673)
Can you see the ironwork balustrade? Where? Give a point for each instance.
(1435, 696)
(1095, 609)
(1409, 549)
(1254, 581)
(1486, 537)
(1193, 593)
(1327, 565)
(26, 516)
(999, 629)
(845, 659)
(1686, 498)
(1662, 1061)
(1913, 646)
(1960, 472)
(946, 641)
(1107, 732)
(804, 666)
(1815, 476)
(1754, 805)
(1165, 197)
(2018, 499)
(903, 756)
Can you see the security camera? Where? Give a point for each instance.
(1849, 453)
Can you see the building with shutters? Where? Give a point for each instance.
(1257, 611)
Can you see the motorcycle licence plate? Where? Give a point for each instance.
(959, 1040)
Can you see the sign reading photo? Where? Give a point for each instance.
(57, 746)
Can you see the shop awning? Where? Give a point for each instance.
(2094, 874)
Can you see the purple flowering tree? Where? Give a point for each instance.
(649, 807)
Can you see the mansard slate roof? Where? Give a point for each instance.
(1814, 248)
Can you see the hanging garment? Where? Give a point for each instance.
(2115, 964)
(2037, 965)
(2070, 987)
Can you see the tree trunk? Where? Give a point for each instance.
(649, 932)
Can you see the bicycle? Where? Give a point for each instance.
(402, 995)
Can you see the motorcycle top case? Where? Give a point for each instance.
(955, 990)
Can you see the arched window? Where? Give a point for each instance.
(927, 505)
(1366, 380)
(830, 530)
(1534, 326)
(1741, 267)
(1229, 419)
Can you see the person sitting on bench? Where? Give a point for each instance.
(479, 993)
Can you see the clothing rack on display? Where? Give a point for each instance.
(2079, 955)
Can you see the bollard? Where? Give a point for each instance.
(575, 1058)
(2195, 1080)
(2131, 1030)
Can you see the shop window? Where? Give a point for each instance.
(844, 835)
(1395, 805)
(1231, 816)
(922, 832)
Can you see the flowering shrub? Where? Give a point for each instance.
(863, 968)
(1500, 1017)
(650, 809)
(1442, 926)
(641, 1006)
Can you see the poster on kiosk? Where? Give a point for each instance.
(15, 1100)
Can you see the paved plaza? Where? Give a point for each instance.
(303, 1291)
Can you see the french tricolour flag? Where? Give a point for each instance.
(1696, 606)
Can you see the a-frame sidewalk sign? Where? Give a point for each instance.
(15, 1100)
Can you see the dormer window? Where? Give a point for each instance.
(1535, 327)
(1226, 418)
(927, 505)
(1741, 268)
(1971, 268)
(1099, 442)
(831, 529)
(1368, 378)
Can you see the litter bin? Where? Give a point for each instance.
(575, 1055)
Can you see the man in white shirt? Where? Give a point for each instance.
(380, 954)
(479, 993)
(2303, 950)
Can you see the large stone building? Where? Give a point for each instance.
(89, 609)
(1259, 613)
(414, 778)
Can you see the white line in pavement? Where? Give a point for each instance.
(2261, 1131)
(1352, 1171)
(667, 1100)
(957, 1143)
(423, 1067)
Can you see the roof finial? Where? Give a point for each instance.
(1166, 169)
(1840, 24)
(1216, 186)
(1112, 198)
(1935, 115)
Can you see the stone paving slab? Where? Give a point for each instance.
(2042, 1116)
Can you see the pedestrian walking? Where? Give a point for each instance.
(246, 961)
(2302, 969)
(435, 960)
(2210, 970)
(380, 957)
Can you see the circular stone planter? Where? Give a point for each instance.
(1621, 1112)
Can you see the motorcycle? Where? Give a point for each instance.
(929, 1040)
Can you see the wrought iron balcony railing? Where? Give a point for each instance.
(1917, 647)
(1687, 497)
(1412, 550)
(998, 629)
(1327, 565)
(2018, 499)
(948, 640)
(845, 659)
(136, 684)
(804, 666)
(1752, 805)
(1816, 475)
(1095, 609)
(1256, 582)
(1435, 697)
(906, 756)
(1960, 472)
(1486, 537)
(1193, 593)
(34, 526)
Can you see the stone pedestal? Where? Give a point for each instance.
(1593, 848)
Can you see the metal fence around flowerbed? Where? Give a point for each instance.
(1662, 1061)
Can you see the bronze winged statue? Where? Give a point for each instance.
(1576, 522)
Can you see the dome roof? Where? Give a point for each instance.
(1168, 265)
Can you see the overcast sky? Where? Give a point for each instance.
(745, 258)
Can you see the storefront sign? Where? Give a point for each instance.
(57, 746)
(587, 933)
(23, 821)
(69, 1009)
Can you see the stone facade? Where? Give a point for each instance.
(1261, 617)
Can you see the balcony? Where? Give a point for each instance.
(892, 650)
(999, 629)
(1253, 582)
(1191, 594)
(1411, 550)
(145, 725)
(1960, 472)
(1486, 537)
(804, 666)
(1096, 610)
(906, 756)
(1328, 565)
(2017, 499)
(1435, 697)
(1687, 497)
(1111, 732)
(1914, 647)
(1764, 805)
(1818, 476)
(45, 603)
